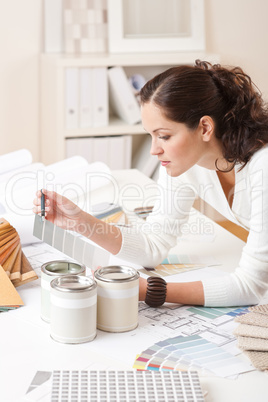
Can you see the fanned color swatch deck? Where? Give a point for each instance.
(12, 258)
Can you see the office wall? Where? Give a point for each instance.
(236, 29)
(20, 46)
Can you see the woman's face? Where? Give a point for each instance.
(176, 146)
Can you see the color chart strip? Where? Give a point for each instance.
(212, 313)
(188, 259)
(76, 247)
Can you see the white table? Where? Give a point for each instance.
(26, 346)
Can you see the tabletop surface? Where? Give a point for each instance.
(26, 346)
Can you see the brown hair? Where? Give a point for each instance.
(186, 93)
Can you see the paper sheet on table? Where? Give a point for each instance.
(19, 178)
(69, 177)
(72, 177)
(15, 160)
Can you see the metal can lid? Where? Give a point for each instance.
(116, 274)
(73, 283)
(62, 267)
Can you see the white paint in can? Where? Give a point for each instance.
(50, 271)
(73, 315)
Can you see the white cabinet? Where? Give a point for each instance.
(53, 92)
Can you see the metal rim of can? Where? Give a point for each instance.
(73, 283)
(75, 268)
(111, 269)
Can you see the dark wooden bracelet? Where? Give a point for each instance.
(156, 291)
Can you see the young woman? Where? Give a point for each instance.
(209, 128)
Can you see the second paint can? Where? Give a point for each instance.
(118, 298)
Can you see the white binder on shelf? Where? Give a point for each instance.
(86, 117)
(93, 149)
(122, 99)
(100, 149)
(120, 152)
(53, 26)
(114, 151)
(71, 98)
(77, 146)
(100, 97)
(143, 160)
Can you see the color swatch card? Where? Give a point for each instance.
(177, 264)
(192, 352)
(217, 314)
(9, 297)
(77, 247)
(116, 386)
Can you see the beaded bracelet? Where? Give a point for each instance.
(156, 291)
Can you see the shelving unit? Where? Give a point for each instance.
(53, 131)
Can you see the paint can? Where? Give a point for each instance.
(73, 314)
(118, 298)
(50, 271)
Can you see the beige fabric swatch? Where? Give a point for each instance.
(253, 318)
(253, 331)
(247, 343)
(252, 335)
(258, 359)
(262, 309)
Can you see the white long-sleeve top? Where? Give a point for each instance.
(149, 244)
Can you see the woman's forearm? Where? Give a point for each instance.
(185, 293)
(105, 235)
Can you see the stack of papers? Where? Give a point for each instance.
(110, 213)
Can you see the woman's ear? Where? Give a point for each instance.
(207, 126)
